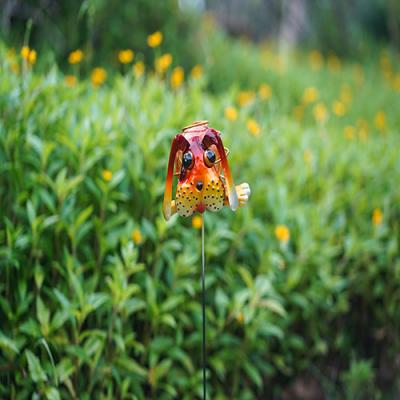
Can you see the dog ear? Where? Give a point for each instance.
(213, 137)
(179, 143)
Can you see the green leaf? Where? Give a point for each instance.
(8, 345)
(131, 366)
(35, 370)
(253, 373)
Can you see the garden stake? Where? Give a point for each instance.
(199, 160)
(203, 305)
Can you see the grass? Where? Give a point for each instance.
(90, 268)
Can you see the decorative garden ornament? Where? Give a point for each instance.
(199, 160)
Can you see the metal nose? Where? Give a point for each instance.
(199, 185)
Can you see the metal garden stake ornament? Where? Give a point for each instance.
(199, 160)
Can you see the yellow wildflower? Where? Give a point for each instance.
(98, 76)
(386, 67)
(298, 112)
(310, 95)
(265, 91)
(334, 63)
(231, 113)
(363, 129)
(138, 68)
(245, 97)
(380, 120)
(70, 80)
(240, 318)
(377, 216)
(345, 94)
(107, 175)
(320, 113)
(396, 83)
(197, 71)
(75, 57)
(162, 63)
(14, 67)
(197, 222)
(125, 56)
(253, 127)
(282, 233)
(29, 55)
(155, 39)
(308, 156)
(177, 77)
(316, 59)
(338, 108)
(136, 236)
(349, 132)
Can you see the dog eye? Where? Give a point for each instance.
(187, 160)
(209, 158)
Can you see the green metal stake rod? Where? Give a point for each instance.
(203, 274)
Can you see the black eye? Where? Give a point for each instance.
(209, 158)
(187, 160)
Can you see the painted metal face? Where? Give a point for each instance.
(198, 158)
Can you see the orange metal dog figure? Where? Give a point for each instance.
(198, 158)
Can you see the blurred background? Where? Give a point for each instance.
(100, 297)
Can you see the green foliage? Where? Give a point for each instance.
(100, 297)
(358, 380)
(100, 28)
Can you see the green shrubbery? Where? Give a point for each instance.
(100, 297)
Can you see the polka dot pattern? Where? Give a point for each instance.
(188, 198)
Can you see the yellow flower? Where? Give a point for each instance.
(298, 112)
(363, 129)
(197, 71)
(253, 127)
(32, 57)
(380, 120)
(25, 52)
(75, 57)
(136, 236)
(349, 132)
(345, 94)
(155, 39)
(363, 134)
(308, 156)
(197, 222)
(125, 56)
(177, 77)
(231, 113)
(98, 76)
(29, 55)
(138, 69)
(396, 83)
(70, 80)
(240, 318)
(107, 175)
(282, 233)
(316, 59)
(320, 113)
(310, 95)
(334, 63)
(265, 91)
(338, 108)
(162, 63)
(377, 216)
(14, 67)
(245, 97)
